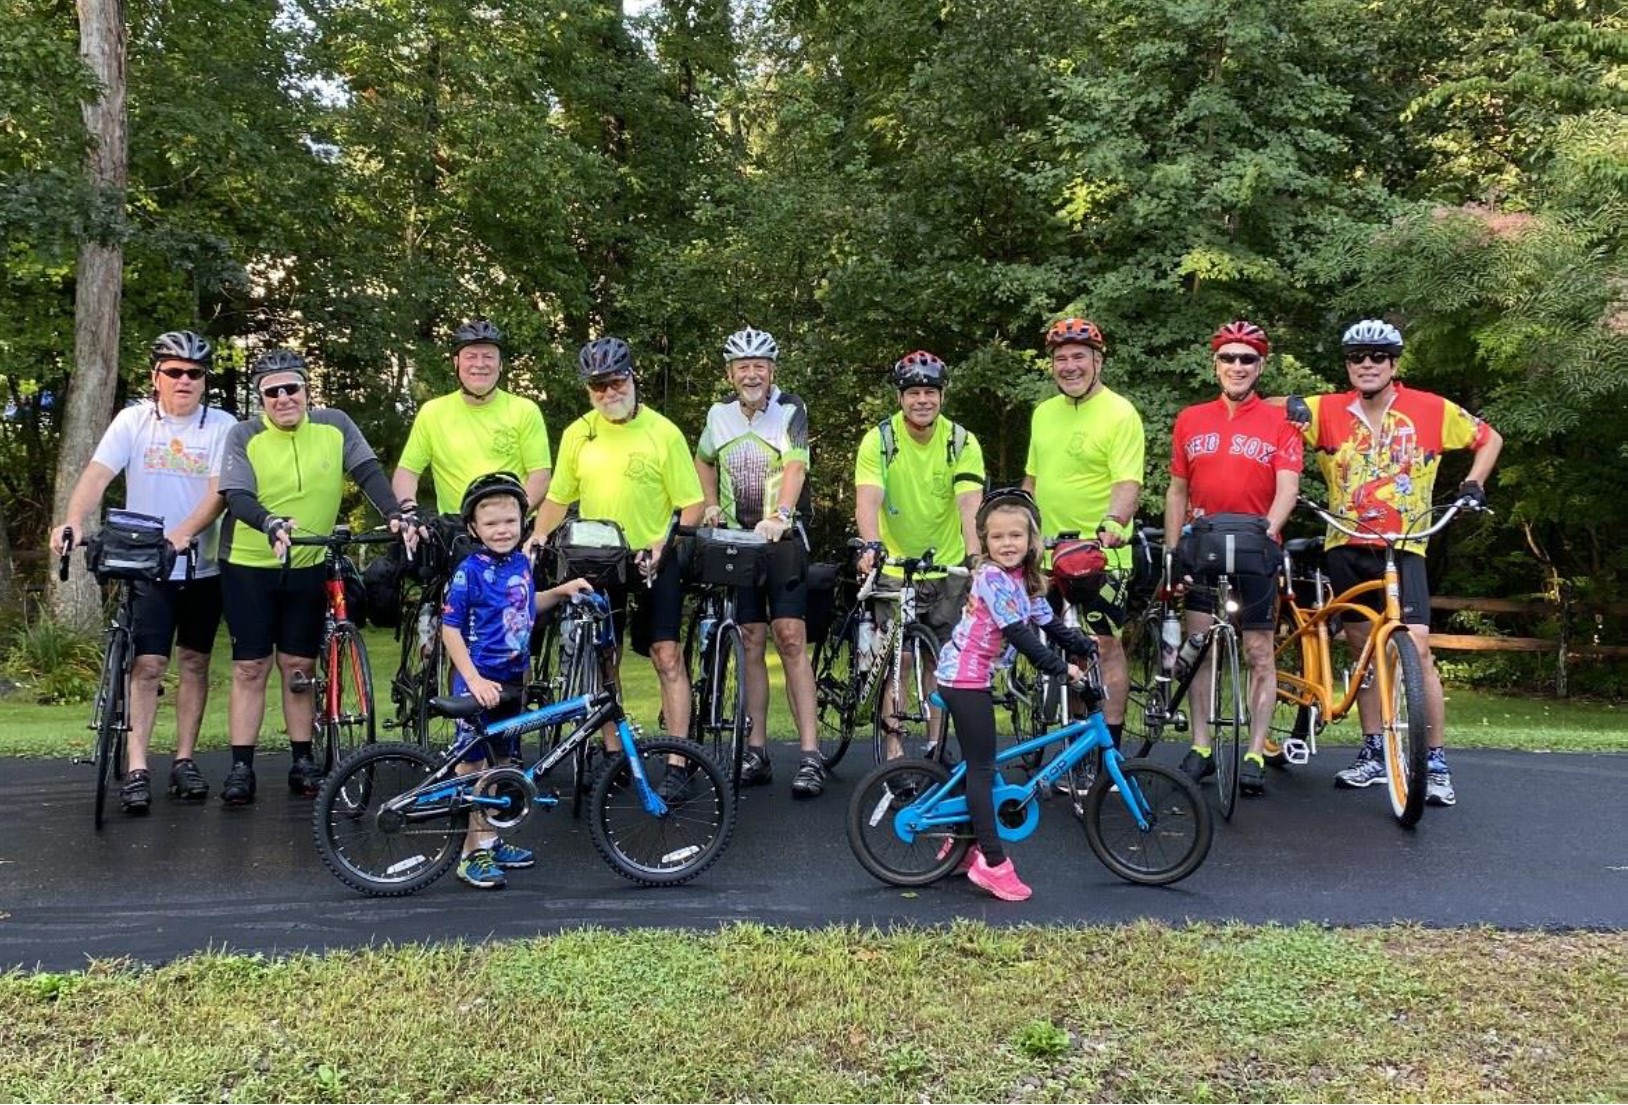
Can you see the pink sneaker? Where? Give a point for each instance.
(966, 860)
(1001, 881)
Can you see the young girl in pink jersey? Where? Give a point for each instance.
(1006, 604)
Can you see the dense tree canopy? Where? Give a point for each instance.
(862, 178)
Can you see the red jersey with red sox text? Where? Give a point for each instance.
(1231, 458)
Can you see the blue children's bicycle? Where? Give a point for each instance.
(908, 822)
(391, 818)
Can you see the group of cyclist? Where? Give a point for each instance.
(919, 481)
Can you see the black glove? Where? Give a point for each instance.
(1297, 411)
(274, 526)
(970, 561)
(1473, 494)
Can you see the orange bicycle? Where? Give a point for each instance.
(1387, 660)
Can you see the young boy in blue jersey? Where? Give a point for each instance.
(486, 621)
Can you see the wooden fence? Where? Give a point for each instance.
(1564, 647)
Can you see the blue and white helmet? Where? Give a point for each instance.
(1372, 333)
(750, 344)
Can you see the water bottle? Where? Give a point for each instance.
(707, 626)
(1188, 656)
(864, 642)
(1169, 642)
(426, 627)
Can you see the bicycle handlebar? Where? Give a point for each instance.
(1345, 524)
(71, 541)
(338, 539)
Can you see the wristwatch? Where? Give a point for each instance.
(784, 513)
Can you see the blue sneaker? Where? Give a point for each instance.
(510, 857)
(479, 870)
(1438, 782)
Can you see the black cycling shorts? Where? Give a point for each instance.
(657, 612)
(1102, 613)
(175, 612)
(274, 609)
(1349, 565)
(1255, 594)
(784, 591)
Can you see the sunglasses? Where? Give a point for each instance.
(179, 373)
(607, 383)
(1239, 358)
(277, 391)
(1357, 358)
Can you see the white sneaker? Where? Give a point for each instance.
(1439, 789)
(1368, 769)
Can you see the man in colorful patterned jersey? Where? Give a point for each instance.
(1236, 454)
(625, 463)
(477, 429)
(168, 448)
(1085, 469)
(753, 462)
(1379, 447)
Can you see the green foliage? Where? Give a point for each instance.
(1043, 1040)
(56, 662)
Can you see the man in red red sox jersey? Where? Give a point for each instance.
(1235, 455)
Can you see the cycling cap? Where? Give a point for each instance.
(485, 487)
(276, 360)
(1075, 331)
(182, 345)
(746, 343)
(605, 357)
(920, 370)
(1244, 331)
(1372, 333)
(477, 332)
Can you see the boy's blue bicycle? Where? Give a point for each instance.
(391, 818)
(908, 822)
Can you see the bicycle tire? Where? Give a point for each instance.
(677, 846)
(1180, 826)
(835, 694)
(1407, 730)
(1147, 707)
(581, 678)
(365, 851)
(913, 717)
(418, 673)
(1228, 718)
(728, 716)
(111, 720)
(876, 843)
(344, 663)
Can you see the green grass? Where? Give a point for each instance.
(749, 1013)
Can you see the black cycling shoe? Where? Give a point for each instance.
(239, 788)
(675, 784)
(187, 782)
(137, 793)
(809, 782)
(304, 777)
(1196, 766)
(755, 768)
(1251, 778)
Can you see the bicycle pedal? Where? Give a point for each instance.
(300, 683)
(1179, 721)
(1296, 751)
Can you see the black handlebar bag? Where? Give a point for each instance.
(131, 546)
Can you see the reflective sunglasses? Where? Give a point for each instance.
(1378, 356)
(277, 391)
(1239, 358)
(178, 373)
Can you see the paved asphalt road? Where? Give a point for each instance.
(1535, 841)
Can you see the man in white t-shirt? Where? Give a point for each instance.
(168, 447)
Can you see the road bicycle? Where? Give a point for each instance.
(391, 819)
(422, 672)
(342, 687)
(1387, 660)
(881, 668)
(130, 549)
(908, 823)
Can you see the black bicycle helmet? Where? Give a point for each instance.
(921, 370)
(476, 332)
(485, 487)
(182, 345)
(998, 497)
(277, 360)
(605, 357)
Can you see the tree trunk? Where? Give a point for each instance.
(98, 283)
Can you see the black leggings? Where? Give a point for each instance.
(973, 713)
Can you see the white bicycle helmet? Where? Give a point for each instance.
(749, 343)
(1372, 333)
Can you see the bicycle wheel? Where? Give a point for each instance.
(910, 729)
(345, 713)
(1147, 708)
(1179, 831)
(877, 845)
(1228, 718)
(581, 664)
(1407, 751)
(728, 720)
(835, 691)
(111, 717)
(375, 851)
(681, 843)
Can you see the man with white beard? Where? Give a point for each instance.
(625, 463)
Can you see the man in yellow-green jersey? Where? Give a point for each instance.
(477, 429)
(1085, 469)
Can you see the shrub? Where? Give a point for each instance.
(58, 664)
